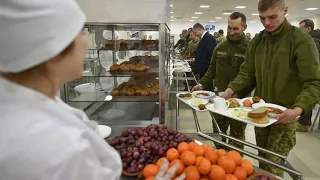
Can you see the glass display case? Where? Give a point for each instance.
(125, 75)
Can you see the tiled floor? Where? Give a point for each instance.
(305, 157)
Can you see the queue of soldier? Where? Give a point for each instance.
(280, 64)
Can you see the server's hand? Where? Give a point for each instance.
(163, 174)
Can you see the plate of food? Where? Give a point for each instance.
(273, 109)
(240, 113)
(234, 103)
(185, 96)
(196, 102)
(249, 101)
(203, 94)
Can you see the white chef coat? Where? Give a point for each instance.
(43, 139)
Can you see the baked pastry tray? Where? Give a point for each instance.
(228, 113)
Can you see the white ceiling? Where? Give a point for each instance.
(183, 10)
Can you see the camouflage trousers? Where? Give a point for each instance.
(237, 129)
(279, 138)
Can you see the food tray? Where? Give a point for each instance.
(188, 102)
(227, 113)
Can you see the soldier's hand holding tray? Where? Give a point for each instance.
(289, 115)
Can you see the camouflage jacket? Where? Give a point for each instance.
(191, 49)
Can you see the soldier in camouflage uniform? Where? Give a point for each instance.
(225, 65)
(221, 37)
(192, 46)
(283, 63)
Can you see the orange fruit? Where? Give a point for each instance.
(192, 144)
(247, 103)
(150, 178)
(192, 173)
(240, 173)
(172, 154)
(180, 168)
(198, 150)
(207, 147)
(221, 152)
(212, 156)
(183, 147)
(231, 177)
(160, 162)
(235, 155)
(217, 173)
(227, 163)
(204, 166)
(198, 160)
(247, 165)
(150, 170)
(188, 158)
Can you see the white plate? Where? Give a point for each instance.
(211, 94)
(250, 98)
(104, 131)
(257, 105)
(188, 102)
(197, 101)
(239, 101)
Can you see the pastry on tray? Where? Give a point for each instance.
(123, 92)
(138, 91)
(233, 103)
(256, 99)
(259, 115)
(124, 67)
(145, 93)
(153, 92)
(115, 67)
(131, 92)
(115, 92)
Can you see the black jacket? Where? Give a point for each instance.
(204, 53)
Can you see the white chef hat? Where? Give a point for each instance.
(33, 31)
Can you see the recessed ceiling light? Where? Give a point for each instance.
(311, 9)
(171, 12)
(194, 17)
(171, 5)
(198, 13)
(240, 7)
(204, 6)
(218, 18)
(212, 21)
(191, 20)
(227, 13)
(171, 20)
(255, 14)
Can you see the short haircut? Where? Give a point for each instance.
(308, 23)
(198, 26)
(190, 29)
(237, 15)
(221, 31)
(264, 5)
(184, 31)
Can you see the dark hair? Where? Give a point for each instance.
(198, 26)
(237, 15)
(308, 23)
(264, 5)
(220, 31)
(190, 29)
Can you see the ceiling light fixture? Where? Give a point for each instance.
(171, 12)
(191, 20)
(198, 13)
(171, 5)
(218, 18)
(240, 7)
(227, 13)
(255, 14)
(204, 6)
(171, 20)
(194, 17)
(212, 21)
(311, 9)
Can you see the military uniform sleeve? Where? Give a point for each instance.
(178, 43)
(246, 78)
(207, 79)
(309, 73)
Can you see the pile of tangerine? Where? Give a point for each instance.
(202, 162)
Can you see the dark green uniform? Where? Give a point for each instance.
(284, 66)
(181, 43)
(225, 66)
(191, 49)
(221, 39)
